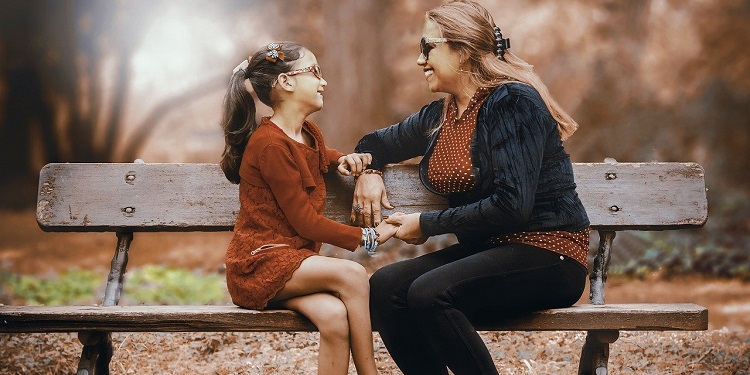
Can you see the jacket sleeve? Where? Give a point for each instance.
(404, 140)
(283, 176)
(516, 132)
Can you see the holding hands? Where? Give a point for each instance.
(385, 231)
(370, 196)
(408, 230)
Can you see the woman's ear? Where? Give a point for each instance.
(462, 57)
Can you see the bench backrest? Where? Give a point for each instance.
(133, 197)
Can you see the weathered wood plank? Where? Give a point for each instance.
(197, 197)
(29, 319)
(643, 196)
(140, 197)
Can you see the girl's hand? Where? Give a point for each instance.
(369, 195)
(408, 230)
(385, 231)
(353, 164)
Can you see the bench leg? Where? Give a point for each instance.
(595, 352)
(97, 345)
(117, 269)
(598, 277)
(97, 352)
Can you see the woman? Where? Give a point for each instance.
(493, 146)
(272, 260)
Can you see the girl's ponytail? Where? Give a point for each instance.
(238, 122)
(238, 118)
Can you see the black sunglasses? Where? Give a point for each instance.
(426, 45)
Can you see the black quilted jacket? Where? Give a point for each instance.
(524, 177)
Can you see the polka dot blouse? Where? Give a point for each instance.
(571, 244)
(449, 168)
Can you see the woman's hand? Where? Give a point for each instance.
(353, 164)
(409, 230)
(369, 194)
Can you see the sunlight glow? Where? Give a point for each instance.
(178, 44)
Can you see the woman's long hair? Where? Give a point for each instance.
(238, 117)
(469, 28)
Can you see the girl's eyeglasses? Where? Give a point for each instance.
(314, 69)
(425, 45)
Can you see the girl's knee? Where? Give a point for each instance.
(354, 277)
(333, 320)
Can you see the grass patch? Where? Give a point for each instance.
(73, 286)
(155, 284)
(150, 285)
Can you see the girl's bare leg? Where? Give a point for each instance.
(328, 313)
(349, 282)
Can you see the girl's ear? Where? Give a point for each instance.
(286, 82)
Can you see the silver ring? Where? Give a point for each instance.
(357, 208)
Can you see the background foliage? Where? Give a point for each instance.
(111, 81)
(149, 285)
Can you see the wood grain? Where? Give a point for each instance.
(207, 318)
(91, 197)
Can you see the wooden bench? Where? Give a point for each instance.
(125, 198)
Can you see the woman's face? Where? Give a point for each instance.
(441, 67)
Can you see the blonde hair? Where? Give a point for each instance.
(469, 28)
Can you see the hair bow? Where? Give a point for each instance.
(274, 52)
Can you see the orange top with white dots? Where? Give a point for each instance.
(572, 244)
(449, 168)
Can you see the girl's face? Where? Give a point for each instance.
(441, 66)
(308, 81)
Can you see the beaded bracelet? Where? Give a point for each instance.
(373, 171)
(370, 240)
(370, 171)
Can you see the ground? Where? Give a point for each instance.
(24, 249)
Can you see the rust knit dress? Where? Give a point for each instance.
(280, 222)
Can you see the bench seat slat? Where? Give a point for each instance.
(220, 318)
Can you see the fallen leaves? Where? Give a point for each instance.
(710, 352)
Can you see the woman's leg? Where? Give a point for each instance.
(348, 281)
(497, 282)
(391, 316)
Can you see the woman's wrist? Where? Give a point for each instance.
(370, 171)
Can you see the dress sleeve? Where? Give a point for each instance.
(282, 174)
(333, 155)
(516, 137)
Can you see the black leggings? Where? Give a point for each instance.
(424, 307)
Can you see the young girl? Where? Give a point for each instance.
(272, 260)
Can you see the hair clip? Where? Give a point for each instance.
(500, 44)
(241, 66)
(274, 52)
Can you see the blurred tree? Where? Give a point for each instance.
(647, 80)
(68, 75)
(676, 86)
